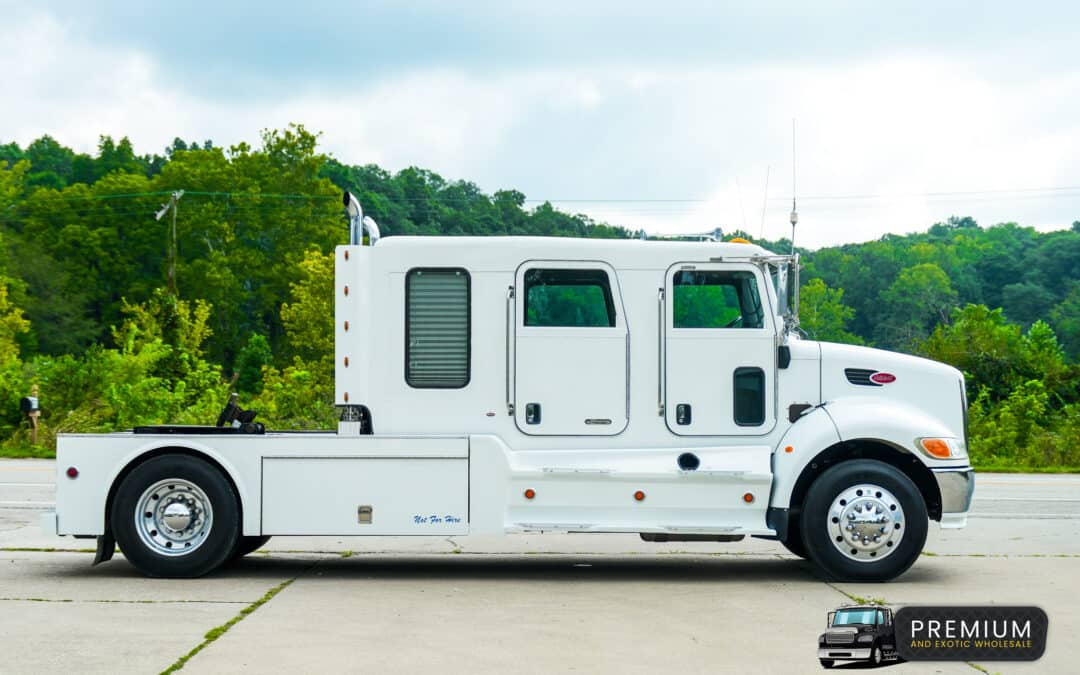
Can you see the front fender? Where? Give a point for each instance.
(811, 434)
(893, 422)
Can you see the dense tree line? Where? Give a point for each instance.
(84, 313)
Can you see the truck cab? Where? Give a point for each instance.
(858, 633)
(532, 384)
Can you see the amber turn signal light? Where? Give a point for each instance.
(530, 493)
(936, 447)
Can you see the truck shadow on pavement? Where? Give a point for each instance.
(520, 567)
(545, 567)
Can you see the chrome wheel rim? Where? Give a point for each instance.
(173, 517)
(866, 523)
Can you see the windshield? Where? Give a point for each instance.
(848, 617)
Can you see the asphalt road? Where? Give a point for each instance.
(537, 603)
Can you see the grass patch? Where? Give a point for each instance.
(215, 633)
(347, 554)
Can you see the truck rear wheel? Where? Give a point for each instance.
(176, 516)
(864, 520)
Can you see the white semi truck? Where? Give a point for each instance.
(527, 384)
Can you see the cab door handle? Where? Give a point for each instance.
(683, 414)
(532, 413)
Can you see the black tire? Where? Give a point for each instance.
(826, 663)
(246, 545)
(214, 546)
(794, 543)
(815, 513)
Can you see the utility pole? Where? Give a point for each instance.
(174, 199)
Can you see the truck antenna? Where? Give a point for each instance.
(794, 211)
(764, 202)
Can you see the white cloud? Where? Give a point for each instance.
(900, 125)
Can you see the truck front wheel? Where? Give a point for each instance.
(176, 516)
(864, 520)
(794, 542)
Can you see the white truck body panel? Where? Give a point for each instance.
(457, 460)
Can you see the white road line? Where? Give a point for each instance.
(1016, 499)
(1026, 516)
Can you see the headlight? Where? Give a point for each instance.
(868, 637)
(942, 448)
(821, 640)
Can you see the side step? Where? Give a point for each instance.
(661, 537)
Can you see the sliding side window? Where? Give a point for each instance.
(717, 299)
(437, 337)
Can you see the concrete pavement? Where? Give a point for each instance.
(540, 603)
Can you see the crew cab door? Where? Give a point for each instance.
(571, 350)
(719, 351)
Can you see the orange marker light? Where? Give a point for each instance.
(748, 498)
(346, 326)
(346, 361)
(346, 397)
(346, 290)
(639, 495)
(789, 449)
(530, 493)
(738, 240)
(936, 447)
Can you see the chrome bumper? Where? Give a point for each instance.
(835, 653)
(957, 485)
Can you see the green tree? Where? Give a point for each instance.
(823, 314)
(253, 358)
(309, 315)
(1065, 318)
(919, 299)
(982, 344)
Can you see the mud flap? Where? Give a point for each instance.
(106, 546)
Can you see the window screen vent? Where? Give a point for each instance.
(860, 376)
(437, 328)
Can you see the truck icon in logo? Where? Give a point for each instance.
(858, 633)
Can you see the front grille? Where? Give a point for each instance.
(861, 377)
(839, 638)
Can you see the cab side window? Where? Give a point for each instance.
(717, 299)
(568, 297)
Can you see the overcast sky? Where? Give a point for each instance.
(661, 115)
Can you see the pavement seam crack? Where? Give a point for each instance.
(215, 633)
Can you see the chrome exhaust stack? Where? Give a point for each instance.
(358, 222)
